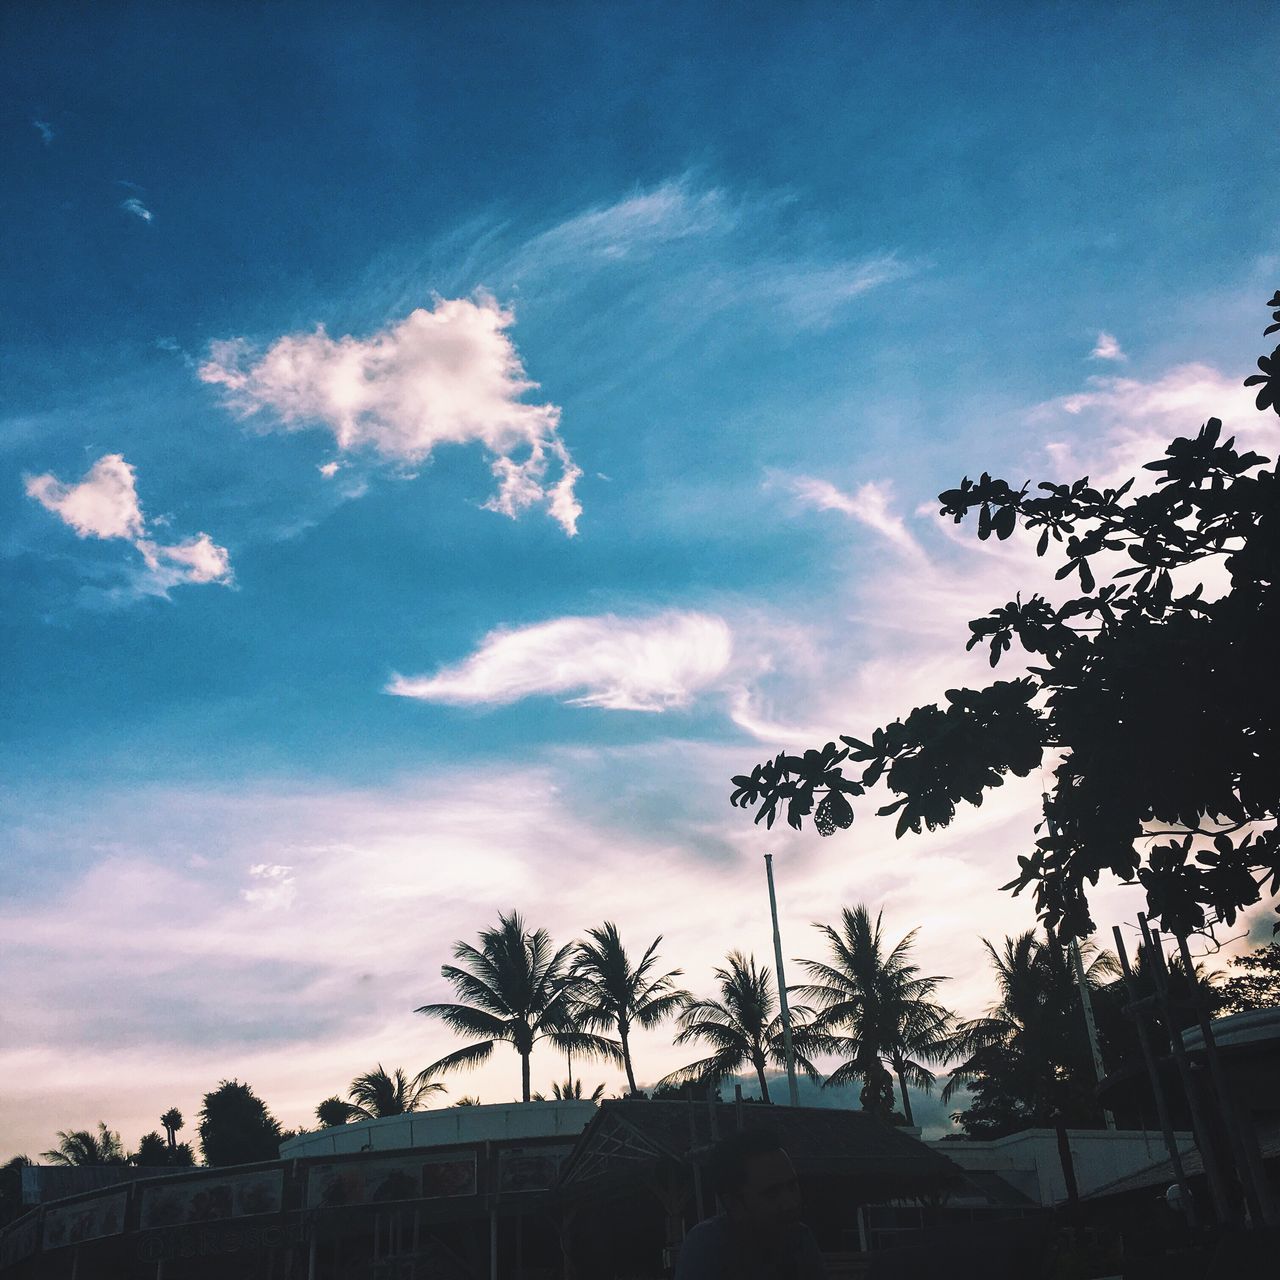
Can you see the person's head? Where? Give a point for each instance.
(755, 1179)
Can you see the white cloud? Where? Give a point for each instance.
(449, 375)
(139, 210)
(622, 664)
(274, 886)
(46, 131)
(1118, 424)
(1107, 348)
(869, 504)
(195, 560)
(104, 504)
(329, 469)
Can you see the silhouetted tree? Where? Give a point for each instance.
(171, 1122)
(467, 1100)
(236, 1127)
(743, 1028)
(876, 1011)
(1256, 985)
(687, 1091)
(1159, 704)
(1027, 1061)
(611, 995)
(152, 1153)
(517, 989)
(376, 1094)
(81, 1147)
(333, 1112)
(11, 1188)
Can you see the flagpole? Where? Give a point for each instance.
(782, 988)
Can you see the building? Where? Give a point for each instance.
(538, 1191)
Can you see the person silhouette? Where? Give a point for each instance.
(759, 1236)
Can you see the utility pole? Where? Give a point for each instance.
(782, 988)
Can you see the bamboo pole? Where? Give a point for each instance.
(1091, 1030)
(1157, 1085)
(1248, 1162)
(789, 1051)
(1222, 1203)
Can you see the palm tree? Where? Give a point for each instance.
(333, 1112)
(377, 1094)
(570, 1091)
(1028, 1058)
(875, 1009)
(611, 995)
(171, 1122)
(518, 990)
(80, 1147)
(742, 1027)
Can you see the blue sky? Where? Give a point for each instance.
(299, 687)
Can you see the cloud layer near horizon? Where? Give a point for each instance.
(445, 375)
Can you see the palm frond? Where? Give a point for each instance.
(471, 1055)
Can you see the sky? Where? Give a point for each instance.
(441, 444)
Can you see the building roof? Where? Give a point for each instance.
(822, 1140)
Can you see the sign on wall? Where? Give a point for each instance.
(211, 1199)
(87, 1220)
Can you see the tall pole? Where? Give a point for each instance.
(1224, 1209)
(782, 988)
(1253, 1178)
(1086, 1003)
(1138, 1012)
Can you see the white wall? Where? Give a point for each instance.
(1029, 1160)
(508, 1120)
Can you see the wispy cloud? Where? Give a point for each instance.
(139, 210)
(46, 131)
(448, 375)
(869, 504)
(622, 664)
(670, 212)
(1107, 348)
(812, 295)
(714, 252)
(104, 505)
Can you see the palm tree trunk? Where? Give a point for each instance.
(764, 1084)
(623, 1032)
(906, 1100)
(524, 1075)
